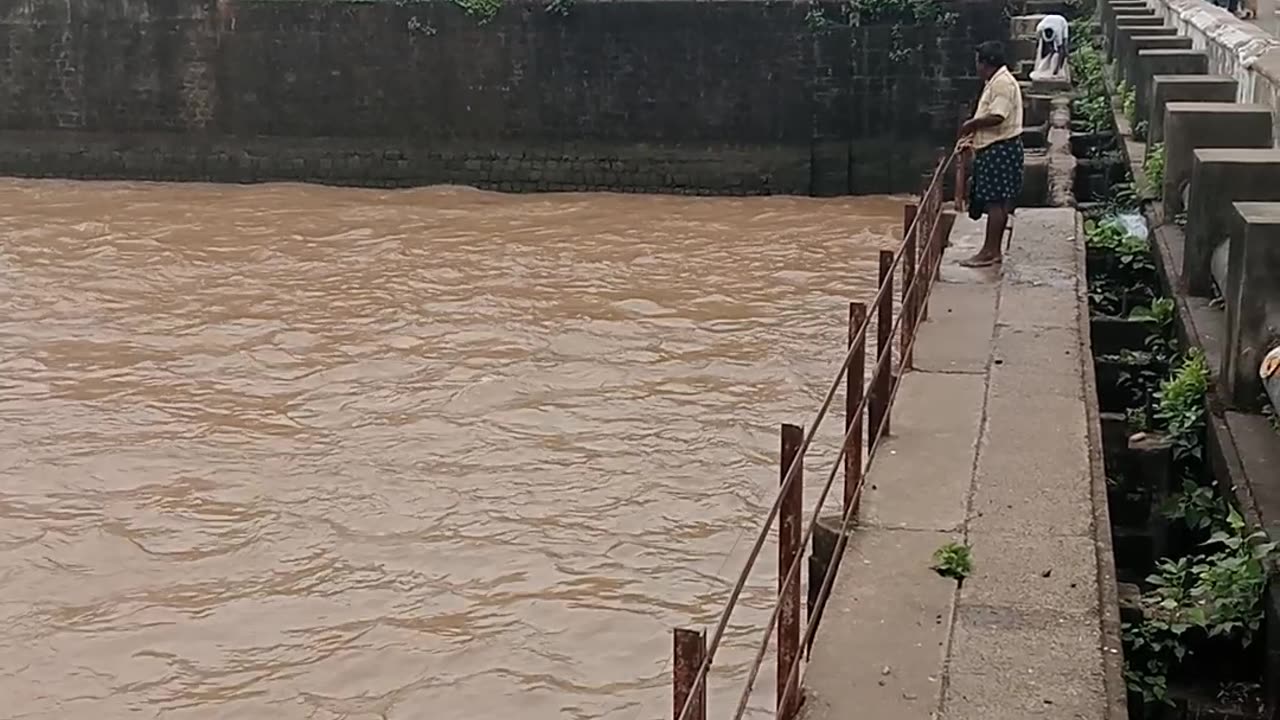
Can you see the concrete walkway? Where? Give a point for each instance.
(990, 446)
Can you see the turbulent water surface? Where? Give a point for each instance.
(302, 452)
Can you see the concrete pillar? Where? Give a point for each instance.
(1137, 43)
(1220, 177)
(1184, 88)
(1132, 22)
(1191, 125)
(1107, 10)
(1116, 14)
(1124, 36)
(1252, 299)
(1164, 62)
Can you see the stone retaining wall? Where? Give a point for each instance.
(731, 96)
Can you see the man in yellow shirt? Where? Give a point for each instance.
(995, 131)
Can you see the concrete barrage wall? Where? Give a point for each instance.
(1236, 49)
(730, 96)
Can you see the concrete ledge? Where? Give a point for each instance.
(1220, 177)
(1189, 125)
(1150, 63)
(1184, 88)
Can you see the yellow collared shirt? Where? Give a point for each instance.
(1002, 97)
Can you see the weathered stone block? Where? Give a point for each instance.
(1252, 299)
(1219, 178)
(1184, 88)
(1112, 13)
(1191, 125)
(1139, 42)
(1107, 11)
(1124, 54)
(1131, 22)
(1164, 62)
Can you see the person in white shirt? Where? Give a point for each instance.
(1054, 33)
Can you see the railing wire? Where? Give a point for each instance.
(923, 225)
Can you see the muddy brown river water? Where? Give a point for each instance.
(302, 452)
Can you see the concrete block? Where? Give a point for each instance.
(1127, 21)
(1118, 14)
(1124, 53)
(1107, 11)
(1191, 125)
(1252, 299)
(1127, 67)
(1219, 178)
(1164, 62)
(1184, 88)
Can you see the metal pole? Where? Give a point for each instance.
(855, 378)
(689, 648)
(909, 293)
(789, 520)
(882, 378)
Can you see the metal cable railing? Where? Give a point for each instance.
(919, 257)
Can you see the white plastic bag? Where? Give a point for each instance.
(1133, 223)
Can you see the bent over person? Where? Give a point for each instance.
(995, 131)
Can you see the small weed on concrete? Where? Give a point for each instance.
(953, 560)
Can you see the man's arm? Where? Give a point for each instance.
(975, 124)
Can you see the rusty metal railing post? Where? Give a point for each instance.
(882, 378)
(689, 649)
(790, 516)
(909, 293)
(854, 380)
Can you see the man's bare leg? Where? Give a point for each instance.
(997, 219)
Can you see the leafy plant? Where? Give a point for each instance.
(953, 560)
(1138, 419)
(558, 7)
(1160, 311)
(1110, 235)
(816, 19)
(1094, 111)
(1153, 168)
(1197, 506)
(1123, 197)
(1218, 594)
(481, 10)
(898, 14)
(1181, 406)
(1128, 102)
